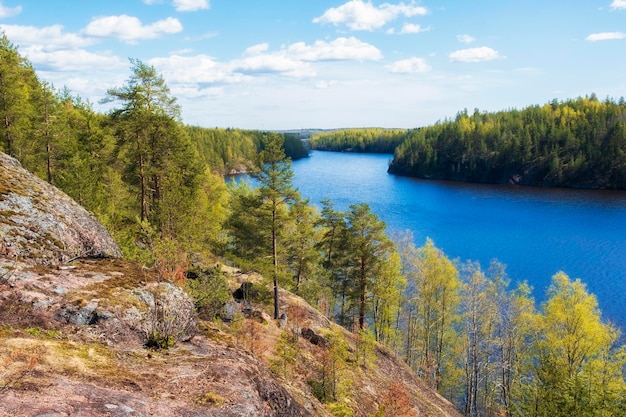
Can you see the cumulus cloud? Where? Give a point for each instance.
(9, 11)
(409, 66)
(293, 61)
(257, 49)
(605, 36)
(194, 70)
(482, 53)
(618, 4)
(340, 49)
(130, 29)
(358, 15)
(53, 37)
(411, 28)
(71, 60)
(465, 38)
(272, 64)
(190, 5)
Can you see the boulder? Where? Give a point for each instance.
(43, 225)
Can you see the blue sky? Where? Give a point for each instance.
(269, 64)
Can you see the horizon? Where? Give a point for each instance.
(328, 64)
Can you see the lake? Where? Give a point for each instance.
(536, 232)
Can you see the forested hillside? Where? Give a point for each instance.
(233, 150)
(574, 143)
(157, 185)
(370, 140)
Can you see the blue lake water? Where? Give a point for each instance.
(536, 232)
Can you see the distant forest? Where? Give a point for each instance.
(574, 143)
(370, 140)
(577, 143)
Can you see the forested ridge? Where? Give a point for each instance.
(157, 185)
(573, 143)
(369, 140)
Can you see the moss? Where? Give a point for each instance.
(210, 399)
(48, 334)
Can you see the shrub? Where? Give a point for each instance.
(209, 292)
(170, 318)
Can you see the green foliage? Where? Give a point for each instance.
(227, 151)
(170, 318)
(370, 140)
(578, 370)
(301, 235)
(340, 409)
(332, 385)
(209, 292)
(294, 147)
(365, 345)
(275, 193)
(287, 351)
(575, 143)
(432, 311)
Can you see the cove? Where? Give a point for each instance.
(535, 232)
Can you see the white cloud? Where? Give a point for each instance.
(618, 4)
(465, 38)
(605, 36)
(52, 36)
(130, 29)
(190, 5)
(409, 66)
(293, 61)
(9, 11)
(184, 5)
(340, 49)
(200, 69)
(358, 15)
(411, 28)
(272, 63)
(482, 53)
(71, 60)
(257, 49)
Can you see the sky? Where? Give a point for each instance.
(270, 64)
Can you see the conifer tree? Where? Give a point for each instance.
(160, 162)
(369, 247)
(276, 191)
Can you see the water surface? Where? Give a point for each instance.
(535, 231)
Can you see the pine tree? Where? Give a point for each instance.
(161, 164)
(276, 191)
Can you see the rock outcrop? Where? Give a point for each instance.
(44, 225)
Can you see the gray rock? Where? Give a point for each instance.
(40, 223)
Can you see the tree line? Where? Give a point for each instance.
(573, 143)
(157, 185)
(369, 140)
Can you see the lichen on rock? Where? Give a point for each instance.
(40, 223)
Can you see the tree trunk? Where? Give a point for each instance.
(362, 289)
(275, 262)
